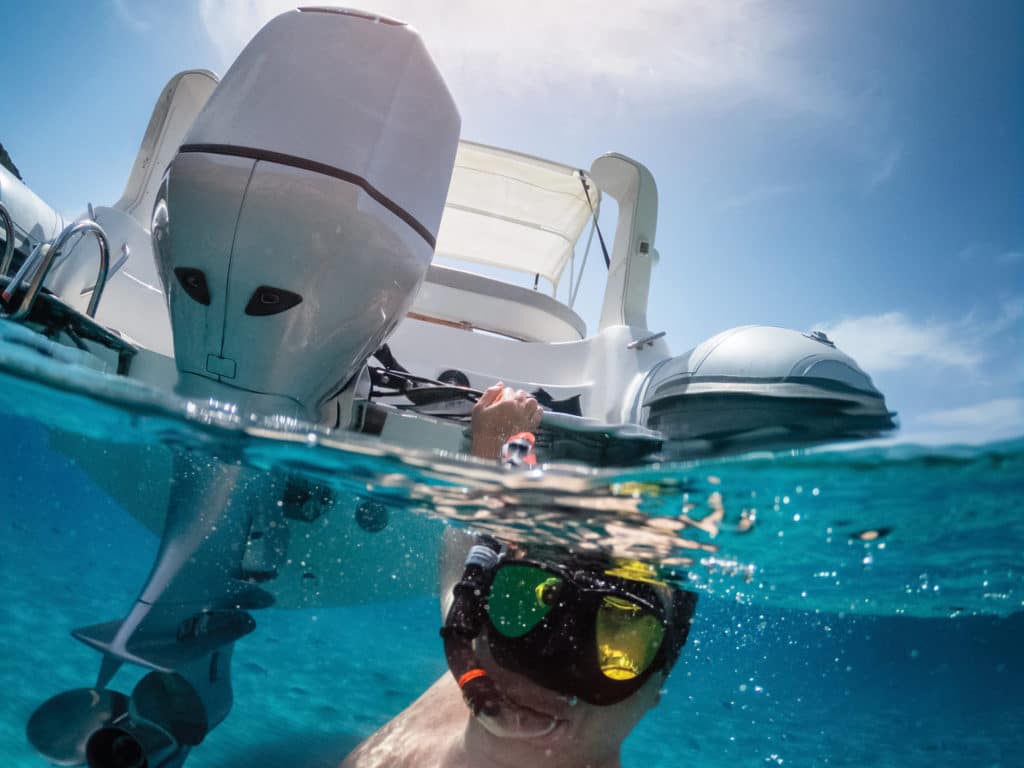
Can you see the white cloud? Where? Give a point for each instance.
(975, 424)
(660, 49)
(892, 341)
(987, 251)
(1004, 412)
(885, 167)
(131, 16)
(757, 196)
(1010, 312)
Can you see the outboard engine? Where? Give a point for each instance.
(291, 231)
(297, 221)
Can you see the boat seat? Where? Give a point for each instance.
(465, 299)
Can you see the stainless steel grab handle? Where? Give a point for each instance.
(38, 265)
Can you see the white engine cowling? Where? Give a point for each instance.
(297, 221)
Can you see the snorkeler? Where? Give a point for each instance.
(554, 660)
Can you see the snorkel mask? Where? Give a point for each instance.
(591, 628)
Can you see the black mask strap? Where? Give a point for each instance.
(684, 605)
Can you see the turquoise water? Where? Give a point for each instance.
(857, 608)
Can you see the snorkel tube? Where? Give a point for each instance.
(462, 627)
(464, 624)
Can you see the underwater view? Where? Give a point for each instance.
(855, 607)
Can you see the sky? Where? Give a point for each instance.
(854, 167)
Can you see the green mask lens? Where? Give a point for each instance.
(628, 638)
(521, 596)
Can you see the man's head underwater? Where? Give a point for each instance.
(586, 629)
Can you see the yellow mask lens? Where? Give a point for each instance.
(521, 595)
(628, 638)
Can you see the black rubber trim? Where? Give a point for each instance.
(815, 381)
(310, 165)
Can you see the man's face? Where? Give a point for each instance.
(532, 714)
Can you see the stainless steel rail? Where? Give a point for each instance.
(38, 264)
(5, 219)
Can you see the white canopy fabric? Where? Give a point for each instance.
(513, 211)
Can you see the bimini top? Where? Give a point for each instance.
(514, 211)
